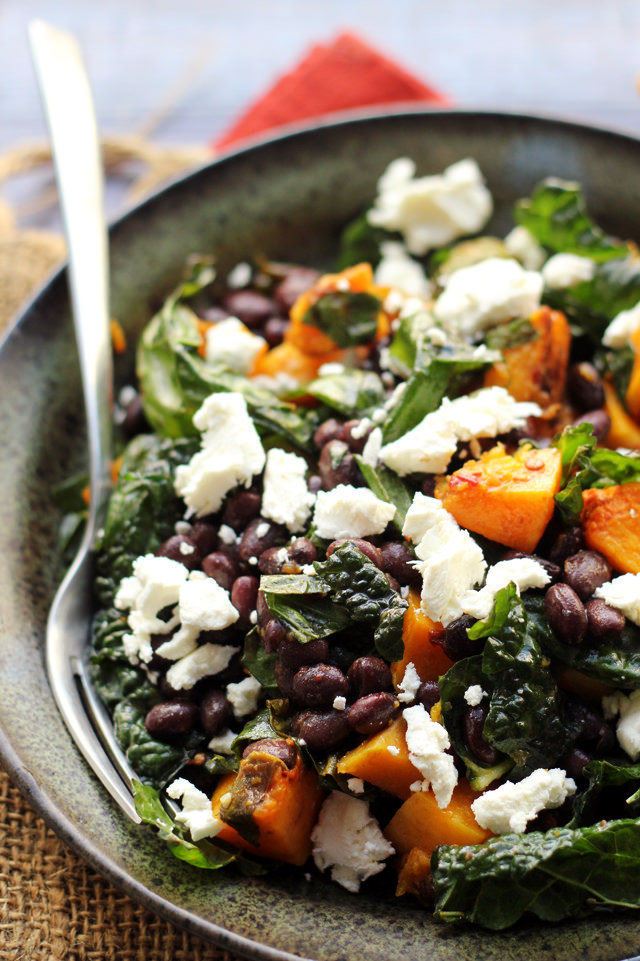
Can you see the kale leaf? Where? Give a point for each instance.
(360, 243)
(155, 761)
(613, 785)
(349, 318)
(553, 875)
(112, 674)
(351, 393)
(387, 486)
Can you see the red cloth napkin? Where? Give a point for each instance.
(341, 75)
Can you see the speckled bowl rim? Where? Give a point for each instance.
(69, 832)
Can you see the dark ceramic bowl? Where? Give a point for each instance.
(287, 198)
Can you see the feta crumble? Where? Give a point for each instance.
(408, 686)
(339, 702)
(372, 448)
(244, 696)
(431, 211)
(567, 270)
(153, 586)
(286, 498)
(508, 808)
(233, 345)
(231, 454)
(474, 695)
(427, 741)
(486, 294)
(522, 245)
(623, 325)
(203, 605)
(623, 593)
(627, 706)
(355, 784)
(205, 661)
(524, 572)
(221, 743)
(196, 814)
(398, 269)
(348, 511)
(348, 839)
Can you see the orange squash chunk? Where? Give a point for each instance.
(413, 870)
(537, 370)
(507, 498)
(290, 359)
(372, 761)
(420, 823)
(611, 524)
(418, 631)
(624, 432)
(284, 808)
(632, 396)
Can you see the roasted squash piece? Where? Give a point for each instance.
(611, 524)
(420, 823)
(624, 431)
(537, 370)
(632, 396)
(418, 633)
(507, 498)
(372, 761)
(278, 804)
(414, 870)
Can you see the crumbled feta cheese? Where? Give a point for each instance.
(244, 696)
(206, 661)
(431, 211)
(186, 549)
(429, 446)
(331, 369)
(524, 572)
(567, 270)
(339, 702)
(196, 814)
(427, 741)
(348, 839)
(355, 784)
(233, 345)
(522, 245)
(623, 325)
(348, 511)
(488, 293)
(393, 749)
(361, 428)
(408, 686)
(262, 529)
(628, 727)
(227, 534)
(221, 743)
(253, 617)
(153, 586)
(623, 593)
(203, 605)
(286, 499)
(450, 561)
(231, 453)
(239, 276)
(474, 694)
(398, 269)
(372, 448)
(508, 808)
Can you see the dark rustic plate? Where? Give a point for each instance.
(287, 198)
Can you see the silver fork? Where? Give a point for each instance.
(70, 115)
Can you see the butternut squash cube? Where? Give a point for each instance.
(420, 648)
(624, 431)
(611, 524)
(390, 770)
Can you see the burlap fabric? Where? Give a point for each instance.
(52, 905)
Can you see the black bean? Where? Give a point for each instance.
(284, 678)
(575, 762)
(182, 549)
(321, 730)
(585, 571)
(204, 536)
(295, 655)
(328, 430)
(355, 444)
(553, 570)
(314, 483)
(244, 595)
(599, 420)
(215, 712)
(258, 535)
(592, 729)
(368, 549)
(297, 280)
(396, 560)
(213, 314)
(428, 694)
(270, 561)
(337, 465)
(280, 747)
(221, 568)
(570, 541)
(252, 308)
(367, 675)
(428, 486)
(474, 719)
(372, 713)
(302, 551)
(241, 508)
(605, 623)
(273, 634)
(565, 613)
(274, 330)
(454, 639)
(134, 421)
(317, 685)
(171, 719)
(393, 583)
(585, 387)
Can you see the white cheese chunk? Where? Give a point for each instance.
(427, 741)
(623, 593)
(566, 270)
(429, 446)
(623, 325)
(154, 586)
(348, 839)
(372, 447)
(196, 814)
(431, 211)
(398, 269)
(244, 696)
(486, 294)
(233, 345)
(231, 454)
(348, 511)
(524, 572)
(205, 661)
(522, 245)
(509, 808)
(203, 605)
(408, 686)
(339, 703)
(221, 743)
(627, 706)
(474, 695)
(286, 499)
(355, 784)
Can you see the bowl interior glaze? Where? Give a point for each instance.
(287, 198)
